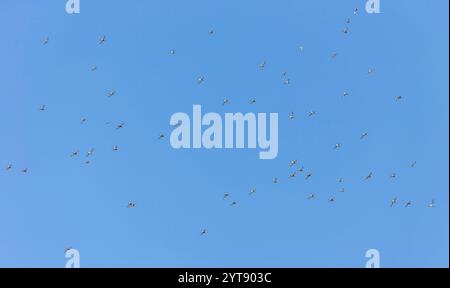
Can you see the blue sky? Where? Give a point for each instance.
(62, 202)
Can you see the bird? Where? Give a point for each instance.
(345, 94)
(369, 176)
(102, 40)
(355, 11)
(225, 101)
(9, 167)
(301, 48)
(393, 201)
(364, 135)
(262, 65)
(293, 162)
(293, 174)
(24, 171)
(331, 200)
(347, 20)
(67, 249)
(111, 93)
(211, 32)
(200, 80)
(337, 146)
(172, 52)
(398, 98)
(233, 204)
(161, 136)
(341, 180)
(291, 116)
(203, 232)
(287, 82)
(42, 108)
(252, 101)
(131, 205)
(252, 191)
(301, 169)
(312, 113)
(342, 190)
(275, 180)
(90, 152)
(94, 68)
(409, 203)
(311, 196)
(393, 175)
(83, 120)
(74, 153)
(432, 204)
(225, 195)
(370, 71)
(308, 176)
(334, 55)
(87, 162)
(46, 39)
(413, 164)
(346, 30)
(115, 148)
(120, 125)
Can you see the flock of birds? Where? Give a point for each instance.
(294, 164)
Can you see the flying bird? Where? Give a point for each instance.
(252, 191)
(369, 176)
(115, 148)
(252, 101)
(111, 93)
(337, 146)
(398, 98)
(102, 40)
(409, 203)
(24, 171)
(393, 175)
(94, 68)
(172, 52)
(275, 180)
(287, 82)
(312, 113)
(301, 169)
(90, 152)
(131, 205)
(203, 232)
(225, 195)
(9, 167)
(346, 30)
(262, 65)
(291, 116)
(355, 11)
(42, 108)
(293, 174)
(225, 102)
(293, 162)
(120, 125)
(311, 196)
(413, 164)
(364, 135)
(200, 80)
(233, 204)
(308, 176)
(83, 120)
(161, 136)
(393, 201)
(332, 200)
(46, 39)
(432, 204)
(345, 94)
(370, 71)
(74, 153)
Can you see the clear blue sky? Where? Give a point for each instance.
(61, 202)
